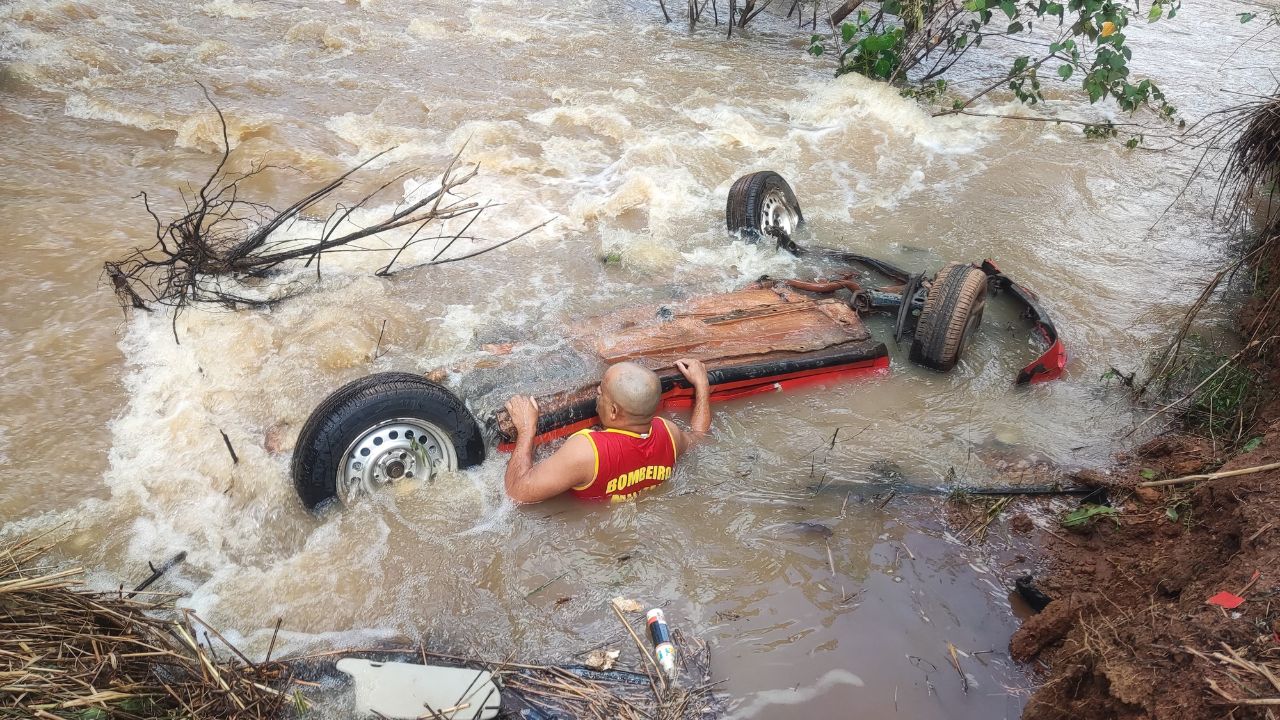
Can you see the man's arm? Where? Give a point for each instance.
(573, 464)
(696, 373)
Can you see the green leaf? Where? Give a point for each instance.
(1247, 17)
(1148, 474)
(1251, 445)
(1171, 512)
(879, 43)
(1014, 27)
(847, 31)
(1156, 11)
(1064, 71)
(1009, 8)
(1082, 516)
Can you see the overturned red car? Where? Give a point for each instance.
(774, 334)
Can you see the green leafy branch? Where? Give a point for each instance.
(915, 42)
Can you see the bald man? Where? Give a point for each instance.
(635, 450)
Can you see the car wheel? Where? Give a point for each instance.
(380, 429)
(952, 313)
(761, 204)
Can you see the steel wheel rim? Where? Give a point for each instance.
(777, 215)
(393, 450)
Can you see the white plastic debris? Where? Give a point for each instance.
(405, 691)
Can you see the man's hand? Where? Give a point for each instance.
(694, 371)
(524, 415)
(574, 464)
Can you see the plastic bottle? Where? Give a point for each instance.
(663, 650)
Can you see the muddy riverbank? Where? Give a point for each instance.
(1171, 607)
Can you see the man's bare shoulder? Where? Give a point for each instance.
(578, 450)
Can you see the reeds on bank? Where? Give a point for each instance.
(71, 653)
(66, 652)
(1249, 181)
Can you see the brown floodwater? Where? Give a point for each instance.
(627, 134)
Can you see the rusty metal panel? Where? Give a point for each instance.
(752, 322)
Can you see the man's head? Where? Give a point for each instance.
(629, 395)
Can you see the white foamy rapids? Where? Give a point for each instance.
(855, 105)
(491, 25)
(169, 467)
(171, 474)
(327, 39)
(371, 135)
(201, 130)
(231, 9)
(603, 120)
(657, 196)
(427, 29)
(639, 251)
(31, 55)
(87, 108)
(724, 266)
(729, 127)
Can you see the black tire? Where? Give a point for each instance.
(358, 407)
(749, 198)
(952, 313)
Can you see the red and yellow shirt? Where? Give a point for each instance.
(627, 463)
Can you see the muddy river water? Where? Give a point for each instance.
(628, 133)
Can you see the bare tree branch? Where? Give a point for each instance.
(223, 246)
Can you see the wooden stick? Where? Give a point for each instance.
(1210, 476)
(544, 585)
(1241, 701)
(1261, 530)
(643, 651)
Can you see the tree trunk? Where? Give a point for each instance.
(846, 8)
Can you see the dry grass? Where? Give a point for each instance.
(1239, 680)
(67, 652)
(70, 653)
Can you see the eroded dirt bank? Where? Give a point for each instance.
(1131, 632)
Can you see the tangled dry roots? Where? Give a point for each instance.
(224, 244)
